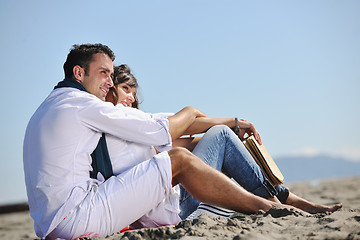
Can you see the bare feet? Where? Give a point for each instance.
(310, 207)
(318, 208)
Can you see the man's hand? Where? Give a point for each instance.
(248, 128)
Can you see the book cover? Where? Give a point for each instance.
(264, 160)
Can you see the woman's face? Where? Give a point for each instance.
(125, 94)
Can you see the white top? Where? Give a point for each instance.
(59, 139)
(126, 154)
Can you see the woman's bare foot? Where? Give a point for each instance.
(310, 207)
(318, 208)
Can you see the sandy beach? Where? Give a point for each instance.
(275, 224)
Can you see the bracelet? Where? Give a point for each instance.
(237, 128)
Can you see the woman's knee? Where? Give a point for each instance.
(220, 130)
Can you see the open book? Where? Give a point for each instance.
(264, 160)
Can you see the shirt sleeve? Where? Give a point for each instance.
(161, 115)
(126, 123)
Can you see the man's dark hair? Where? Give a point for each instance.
(82, 55)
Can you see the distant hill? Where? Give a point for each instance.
(316, 167)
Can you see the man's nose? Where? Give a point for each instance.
(110, 81)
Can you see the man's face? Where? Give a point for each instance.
(98, 79)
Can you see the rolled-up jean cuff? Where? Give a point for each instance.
(282, 193)
(266, 190)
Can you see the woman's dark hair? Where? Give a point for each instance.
(123, 74)
(82, 55)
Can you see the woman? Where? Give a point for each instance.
(125, 85)
(220, 147)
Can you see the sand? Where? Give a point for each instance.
(275, 224)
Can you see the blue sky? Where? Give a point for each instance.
(290, 67)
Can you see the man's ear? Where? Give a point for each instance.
(79, 73)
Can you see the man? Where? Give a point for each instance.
(65, 130)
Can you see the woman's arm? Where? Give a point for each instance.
(191, 121)
(202, 124)
(182, 120)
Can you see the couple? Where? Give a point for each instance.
(148, 159)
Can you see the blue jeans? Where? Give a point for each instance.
(222, 149)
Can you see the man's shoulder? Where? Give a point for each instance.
(69, 91)
(72, 94)
(63, 99)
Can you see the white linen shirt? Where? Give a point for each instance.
(59, 139)
(126, 154)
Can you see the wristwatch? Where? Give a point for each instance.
(237, 128)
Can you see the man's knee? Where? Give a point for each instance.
(179, 154)
(181, 159)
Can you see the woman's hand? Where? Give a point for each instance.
(248, 128)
